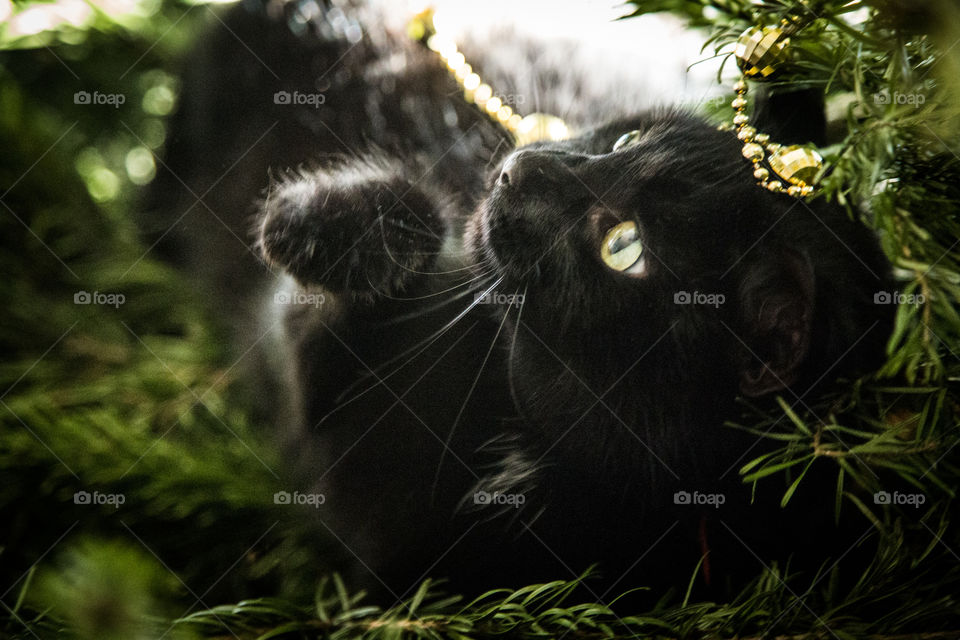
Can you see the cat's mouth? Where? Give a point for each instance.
(507, 243)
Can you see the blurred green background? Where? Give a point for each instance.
(131, 394)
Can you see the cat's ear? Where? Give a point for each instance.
(776, 298)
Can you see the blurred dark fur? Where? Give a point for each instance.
(596, 400)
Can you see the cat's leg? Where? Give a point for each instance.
(357, 238)
(374, 383)
(361, 229)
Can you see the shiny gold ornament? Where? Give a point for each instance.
(759, 50)
(621, 248)
(795, 164)
(421, 26)
(761, 174)
(540, 126)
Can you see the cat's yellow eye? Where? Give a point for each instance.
(621, 246)
(627, 140)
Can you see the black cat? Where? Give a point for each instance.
(503, 366)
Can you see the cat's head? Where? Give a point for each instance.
(659, 280)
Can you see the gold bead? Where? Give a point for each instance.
(795, 164)
(741, 86)
(514, 122)
(724, 126)
(464, 71)
(762, 138)
(775, 186)
(741, 119)
(793, 190)
(493, 105)
(806, 190)
(471, 82)
(752, 151)
(442, 45)
(482, 94)
(456, 61)
(746, 134)
(761, 174)
(505, 113)
(760, 50)
(738, 103)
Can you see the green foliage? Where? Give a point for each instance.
(137, 404)
(888, 72)
(133, 401)
(93, 589)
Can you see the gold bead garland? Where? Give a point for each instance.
(759, 51)
(525, 129)
(795, 164)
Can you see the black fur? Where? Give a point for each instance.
(595, 399)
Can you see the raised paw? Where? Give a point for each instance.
(363, 228)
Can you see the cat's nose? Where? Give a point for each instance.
(527, 165)
(510, 173)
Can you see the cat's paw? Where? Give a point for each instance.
(361, 228)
